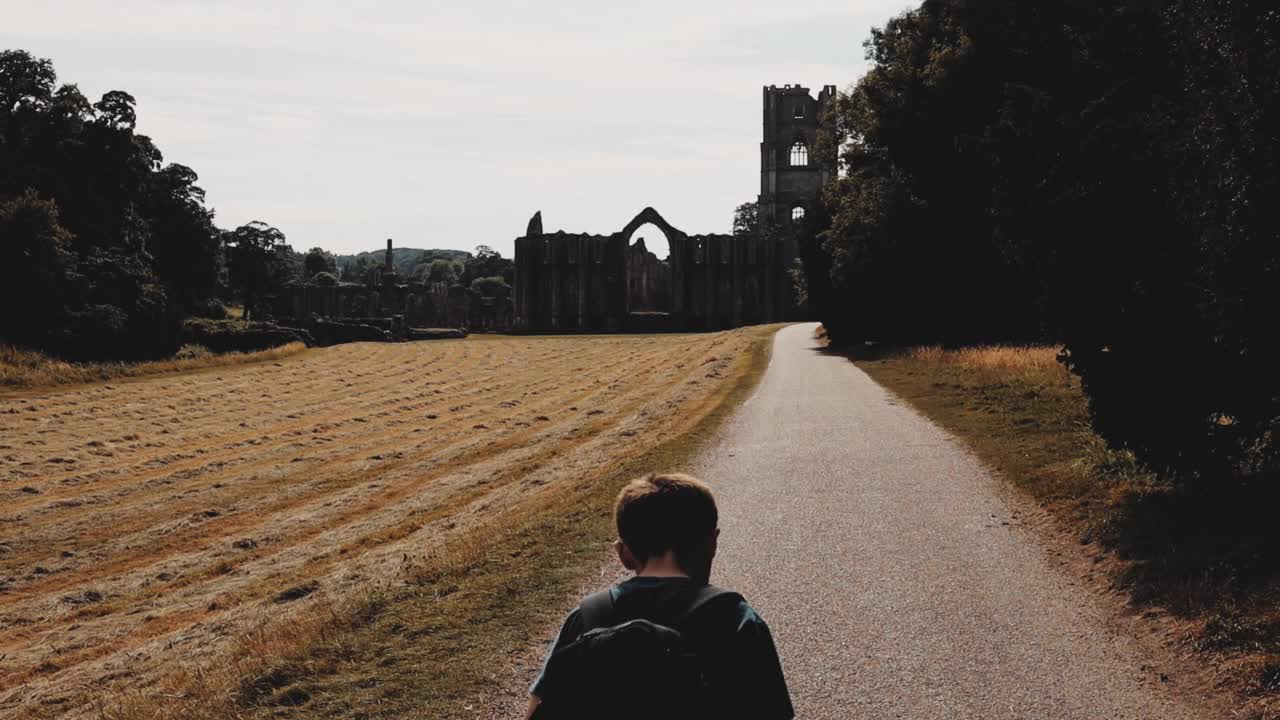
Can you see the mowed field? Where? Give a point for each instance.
(146, 524)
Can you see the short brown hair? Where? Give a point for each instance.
(657, 513)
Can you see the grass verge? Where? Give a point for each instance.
(22, 369)
(1201, 558)
(437, 640)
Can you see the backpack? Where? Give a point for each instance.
(628, 668)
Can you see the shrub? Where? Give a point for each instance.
(191, 351)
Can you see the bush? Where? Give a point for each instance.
(1141, 194)
(191, 351)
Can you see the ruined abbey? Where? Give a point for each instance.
(570, 282)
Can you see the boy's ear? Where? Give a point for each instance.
(626, 557)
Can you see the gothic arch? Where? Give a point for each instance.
(649, 215)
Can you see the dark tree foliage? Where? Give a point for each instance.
(318, 261)
(356, 270)
(911, 243)
(746, 219)
(491, 287)
(487, 263)
(1106, 172)
(184, 241)
(440, 270)
(259, 264)
(123, 244)
(32, 239)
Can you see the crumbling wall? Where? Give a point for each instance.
(386, 302)
(595, 283)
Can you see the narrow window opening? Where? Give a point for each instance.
(799, 155)
(799, 111)
(797, 214)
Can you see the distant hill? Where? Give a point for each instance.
(404, 259)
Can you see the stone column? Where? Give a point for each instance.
(583, 247)
(555, 292)
(517, 292)
(738, 258)
(771, 260)
(676, 260)
(710, 256)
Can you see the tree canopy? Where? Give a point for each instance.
(1097, 175)
(109, 247)
(122, 244)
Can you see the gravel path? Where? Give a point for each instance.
(894, 576)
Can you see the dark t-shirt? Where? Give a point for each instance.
(736, 640)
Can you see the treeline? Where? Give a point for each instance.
(486, 268)
(106, 248)
(1101, 175)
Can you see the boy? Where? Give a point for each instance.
(664, 643)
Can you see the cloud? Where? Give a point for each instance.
(447, 124)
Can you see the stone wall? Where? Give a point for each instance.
(384, 298)
(595, 283)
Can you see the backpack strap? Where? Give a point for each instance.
(704, 596)
(596, 610)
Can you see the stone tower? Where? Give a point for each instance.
(791, 178)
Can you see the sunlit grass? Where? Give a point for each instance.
(21, 368)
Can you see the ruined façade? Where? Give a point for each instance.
(572, 282)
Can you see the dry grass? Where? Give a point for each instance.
(1202, 561)
(22, 369)
(1037, 361)
(361, 531)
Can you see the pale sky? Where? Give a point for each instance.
(447, 124)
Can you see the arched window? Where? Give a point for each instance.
(799, 111)
(799, 155)
(797, 214)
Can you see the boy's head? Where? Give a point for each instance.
(667, 517)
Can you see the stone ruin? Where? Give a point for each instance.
(388, 307)
(573, 282)
(569, 282)
(600, 283)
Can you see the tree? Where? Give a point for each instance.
(116, 110)
(491, 287)
(486, 263)
(746, 219)
(911, 246)
(258, 262)
(1098, 175)
(319, 261)
(35, 250)
(26, 82)
(184, 241)
(356, 270)
(133, 233)
(440, 270)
